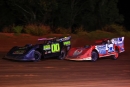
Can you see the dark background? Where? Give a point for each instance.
(68, 14)
(124, 6)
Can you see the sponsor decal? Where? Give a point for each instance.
(49, 51)
(66, 43)
(101, 49)
(46, 47)
(45, 52)
(19, 52)
(77, 52)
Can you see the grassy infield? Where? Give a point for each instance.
(41, 30)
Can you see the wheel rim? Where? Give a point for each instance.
(36, 56)
(62, 55)
(94, 56)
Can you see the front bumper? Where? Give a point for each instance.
(19, 58)
(78, 59)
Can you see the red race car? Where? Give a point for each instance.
(101, 48)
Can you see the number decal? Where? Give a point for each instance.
(110, 48)
(55, 47)
(66, 43)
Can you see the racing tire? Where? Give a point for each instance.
(37, 56)
(62, 54)
(114, 57)
(94, 56)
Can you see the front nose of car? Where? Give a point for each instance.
(30, 55)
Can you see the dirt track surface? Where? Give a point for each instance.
(61, 73)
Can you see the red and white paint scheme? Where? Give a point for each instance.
(101, 48)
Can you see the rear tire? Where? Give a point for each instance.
(62, 54)
(94, 56)
(114, 57)
(37, 56)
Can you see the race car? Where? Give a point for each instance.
(44, 48)
(102, 48)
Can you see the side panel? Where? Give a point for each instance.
(101, 49)
(51, 50)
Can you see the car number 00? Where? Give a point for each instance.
(55, 48)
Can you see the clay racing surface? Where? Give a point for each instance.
(61, 73)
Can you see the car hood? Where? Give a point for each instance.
(19, 50)
(77, 51)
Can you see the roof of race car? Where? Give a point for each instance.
(58, 39)
(45, 39)
(100, 41)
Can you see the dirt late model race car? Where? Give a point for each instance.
(44, 48)
(101, 48)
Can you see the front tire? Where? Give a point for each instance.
(62, 54)
(37, 56)
(94, 56)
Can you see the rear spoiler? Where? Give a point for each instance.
(118, 40)
(64, 38)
